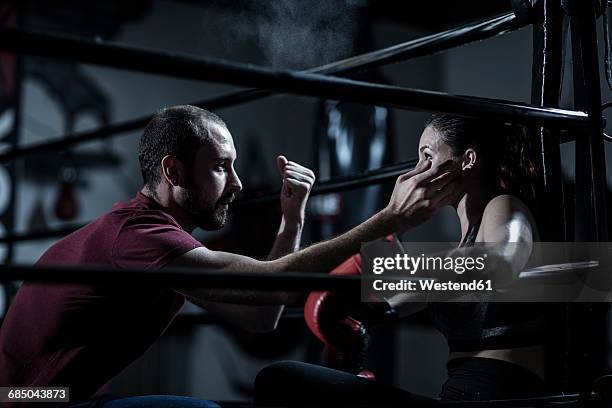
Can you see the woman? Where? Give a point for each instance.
(496, 349)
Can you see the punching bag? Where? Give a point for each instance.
(350, 138)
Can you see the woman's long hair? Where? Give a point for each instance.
(506, 149)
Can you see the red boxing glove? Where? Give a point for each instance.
(319, 302)
(341, 322)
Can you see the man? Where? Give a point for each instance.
(81, 336)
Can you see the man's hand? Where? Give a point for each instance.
(419, 193)
(297, 183)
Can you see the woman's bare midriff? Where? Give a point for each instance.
(530, 358)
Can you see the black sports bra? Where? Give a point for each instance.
(481, 325)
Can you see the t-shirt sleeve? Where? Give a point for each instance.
(150, 240)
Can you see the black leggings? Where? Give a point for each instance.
(470, 379)
(478, 379)
(291, 383)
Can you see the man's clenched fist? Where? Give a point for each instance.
(297, 183)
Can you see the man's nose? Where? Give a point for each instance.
(235, 183)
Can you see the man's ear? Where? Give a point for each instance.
(172, 170)
(470, 159)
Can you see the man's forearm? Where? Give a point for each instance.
(321, 257)
(324, 256)
(287, 240)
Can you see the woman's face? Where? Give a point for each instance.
(433, 148)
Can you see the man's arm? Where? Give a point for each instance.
(255, 319)
(297, 182)
(287, 239)
(321, 257)
(412, 202)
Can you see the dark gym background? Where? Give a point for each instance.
(211, 360)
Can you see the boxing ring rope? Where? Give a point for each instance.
(289, 281)
(340, 184)
(408, 50)
(284, 81)
(184, 277)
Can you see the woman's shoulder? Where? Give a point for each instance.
(505, 208)
(505, 203)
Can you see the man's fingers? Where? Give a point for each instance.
(443, 196)
(419, 168)
(435, 171)
(281, 162)
(299, 168)
(296, 185)
(442, 181)
(420, 171)
(290, 174)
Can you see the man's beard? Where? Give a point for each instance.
(211, 217)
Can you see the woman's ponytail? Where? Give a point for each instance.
(518, 172)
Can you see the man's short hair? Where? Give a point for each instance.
(178, 131)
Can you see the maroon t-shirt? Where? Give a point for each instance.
(81, 336)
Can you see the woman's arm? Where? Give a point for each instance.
(506, 236)
(508, 223)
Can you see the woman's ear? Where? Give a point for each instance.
(469, 160)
